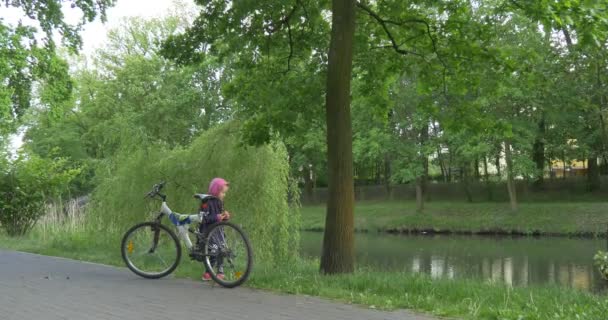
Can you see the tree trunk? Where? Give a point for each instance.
(421, 180)
(486, 177)
(419, 195)
(450, 161)
(338, 242)
(477, 173)
(510, 179)
(564, 165)
(497, 163)
(593, 174)
(387, 176)
(308, 182)
(466, 182)
(539, 155)
(444, 171)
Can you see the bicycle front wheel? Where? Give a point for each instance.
(151, 250)
(228, 254)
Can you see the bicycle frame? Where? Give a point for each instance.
(181, 221)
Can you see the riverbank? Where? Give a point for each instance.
(588, 219)
(466, 299)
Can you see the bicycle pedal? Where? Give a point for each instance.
(196, 256)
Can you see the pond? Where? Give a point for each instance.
(516, 261)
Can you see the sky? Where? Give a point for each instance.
(95, 33)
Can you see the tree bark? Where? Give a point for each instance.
(338, 254)
(510, 178)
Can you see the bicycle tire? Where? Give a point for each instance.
(133, 268)
(242, 278)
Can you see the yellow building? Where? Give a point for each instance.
(573, 168)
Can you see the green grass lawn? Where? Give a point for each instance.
(465, 299)
(544, 217)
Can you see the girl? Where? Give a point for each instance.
(215, 213)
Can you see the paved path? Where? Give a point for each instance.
(45, 288)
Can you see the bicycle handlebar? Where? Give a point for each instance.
(155, 190)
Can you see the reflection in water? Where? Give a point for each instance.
(513, 261)
(436, 267)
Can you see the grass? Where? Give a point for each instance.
(549, 218)
(466, 299)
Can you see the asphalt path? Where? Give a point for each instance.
(41, 287)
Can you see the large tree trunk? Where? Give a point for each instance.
(338, 242)
(510, 177)
(539, 155)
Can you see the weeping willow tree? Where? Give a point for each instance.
(258, 198)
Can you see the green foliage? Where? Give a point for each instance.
(601, 262)
(25, 187)
(25, 63)
(132, 97)
(258, 197)
(50, 17)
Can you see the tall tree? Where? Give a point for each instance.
(338, 242)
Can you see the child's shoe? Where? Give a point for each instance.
(206, 276)
(220, 276)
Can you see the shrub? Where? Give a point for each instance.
(258, 199)
(601, 261)
(25, 186)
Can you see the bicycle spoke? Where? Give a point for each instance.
(147, 257)
(233, 258)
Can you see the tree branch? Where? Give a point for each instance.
(397, 47)
(276, 26)
(383, 22)
(290, 47)
(285, 21)
(388, 33)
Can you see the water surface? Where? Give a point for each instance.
(516, 261)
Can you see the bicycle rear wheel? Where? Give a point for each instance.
(228, 252)
(151, 250)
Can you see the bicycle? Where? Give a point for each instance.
(224, 248)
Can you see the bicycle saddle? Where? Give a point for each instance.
(203, 196)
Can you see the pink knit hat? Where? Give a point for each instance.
(216, 186)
